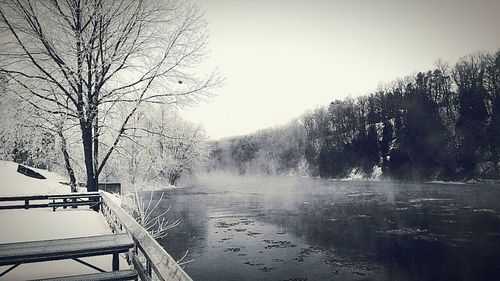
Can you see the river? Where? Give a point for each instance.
(292, 228)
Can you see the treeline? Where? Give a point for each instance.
(440, 124)
(272, 151)
(159, 147)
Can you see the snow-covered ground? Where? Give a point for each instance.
(14, 183)
(43, 224)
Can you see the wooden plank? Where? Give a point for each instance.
(36, 251)
(165, 267)
(10, 207)
(79, 196)
(78, 203)
(23, 197)
(128, 274)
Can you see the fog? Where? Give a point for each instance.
(281, 228)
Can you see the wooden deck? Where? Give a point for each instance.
(147, 258)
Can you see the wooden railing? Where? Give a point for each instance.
(49, 200)
(150, 260)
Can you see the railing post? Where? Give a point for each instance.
(148, 267)
(136, 248)
(26, 204)
(116, 262)
(97, 202)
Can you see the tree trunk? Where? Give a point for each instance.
(87, 140)
(67, 163)
(95, 140)
(89, 163)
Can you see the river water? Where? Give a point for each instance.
(291, 228)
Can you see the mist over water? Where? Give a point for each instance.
(293, 228)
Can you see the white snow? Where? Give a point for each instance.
(43, 224)
(354, 174)
(14, 183)
(447, 182)
(376, 173)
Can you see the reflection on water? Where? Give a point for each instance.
(284, 228)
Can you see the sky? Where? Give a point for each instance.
(282, 58)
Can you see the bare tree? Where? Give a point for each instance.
(147, 214)
(80, 59)
(158, 149)
(34, 136)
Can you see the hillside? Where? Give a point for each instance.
(14, 183)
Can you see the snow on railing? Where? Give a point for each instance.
(148, 256)
(49, 200)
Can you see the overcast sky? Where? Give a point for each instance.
(282, 58)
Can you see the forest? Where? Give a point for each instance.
(440, 124)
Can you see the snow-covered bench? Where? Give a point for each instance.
(16, 254)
